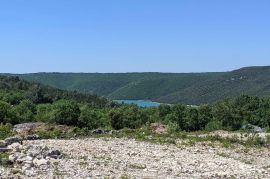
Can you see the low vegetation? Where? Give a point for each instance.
(5, 131)
(4, 161)
(190, 138)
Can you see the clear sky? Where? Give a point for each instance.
(133, 35)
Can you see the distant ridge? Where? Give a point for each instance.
(187, 88)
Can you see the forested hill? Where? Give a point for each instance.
(150, 86)
(187, 88)
(253, 81)
(13, 90)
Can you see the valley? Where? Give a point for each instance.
(185, 88)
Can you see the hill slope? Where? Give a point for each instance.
(122, 85)
(16, 90)
(160, 85)
(251, 80)
(188, 88)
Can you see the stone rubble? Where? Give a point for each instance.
(14, 139)
(116, 158)
(27, 160)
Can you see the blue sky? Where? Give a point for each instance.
(133, 35)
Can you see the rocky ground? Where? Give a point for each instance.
(127, 158)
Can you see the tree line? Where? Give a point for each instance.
(228, 114)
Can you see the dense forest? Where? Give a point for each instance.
(149, 86)
(172, 88)
(22, 101)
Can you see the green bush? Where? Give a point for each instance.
(5, 131)
(56, 133)
(213, 126)
(152, 114)
(12, 97)
(173, 127)
(127, 116)
(255, 140)
(172, 117)
(93, 118)
(117, 121)
(4, 111)
(24, 112)
(191, 120)
(267, 140)
(66, 112)
(4, 161)
(164, 110)
(44, 134)
(45, 113)
(223, 112)
(81, 131)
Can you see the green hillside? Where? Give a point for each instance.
(122, 85)
(187, 88)
(160, 85)
(94, 83)
(251, 80)
(13, 90)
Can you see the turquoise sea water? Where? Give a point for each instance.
(140, 103)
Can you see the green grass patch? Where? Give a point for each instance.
(5, 131)
(4, 160)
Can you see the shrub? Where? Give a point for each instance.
(44, 134)
(67, 112)
(213, 126)
(179, 112)
(92, 118)
(127, 116)
(45, 113)
(4, 161)
(11, 97)
(116, 120)
(191, 120)
(152, 113)
(81, 131)
(267, 140)
(5, 131)
(170, 118)
(24, 112)
(164, 110)
(255, 140)
(173, 127)
(56, 133)
(4, 111)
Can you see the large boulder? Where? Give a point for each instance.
(14, 139)
(15, 147)
(56, 154)
(253, 128)
(32, 137)
(27, 128)
(101, 131)
(159, 128)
